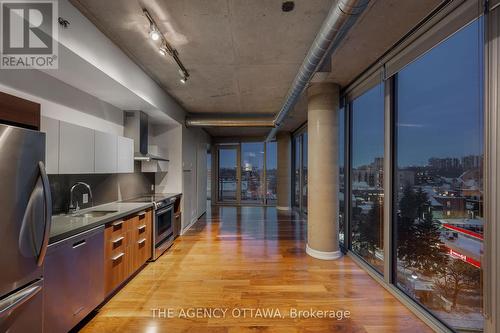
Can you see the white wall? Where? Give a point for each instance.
(201, 174)
(61, 101)
(169, 141)
(194, 165)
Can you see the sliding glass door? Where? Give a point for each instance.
(228, 174)
(246, 173)
(252, 172)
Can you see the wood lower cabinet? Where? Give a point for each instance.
(127, 246)
(141, 240)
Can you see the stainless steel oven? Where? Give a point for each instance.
(163, 231)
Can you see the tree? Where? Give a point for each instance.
(369, 229)
(406, 227)
(457, 277)
(430, 255)
(419, 243)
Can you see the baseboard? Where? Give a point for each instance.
(183, 231)
(323, 255)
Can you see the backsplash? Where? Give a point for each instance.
(105, 188)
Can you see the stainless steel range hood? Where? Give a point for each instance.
(137, 127)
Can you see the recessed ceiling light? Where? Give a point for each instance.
(183, 80)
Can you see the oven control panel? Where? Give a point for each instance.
(164, 203)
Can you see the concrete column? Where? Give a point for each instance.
(323, 182)
(284, 147)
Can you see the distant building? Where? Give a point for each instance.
(372, 174)
(472, 162)
(447, 163)
(406, 177)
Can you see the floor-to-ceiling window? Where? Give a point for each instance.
(367, 152)
(299, 158)
(271, 172)
(304, 172)
(252, 172)
(341, 161)
(296, 147)
(209, 175)
(438, 197)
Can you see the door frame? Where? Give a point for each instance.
(216, 185)
(236, 147)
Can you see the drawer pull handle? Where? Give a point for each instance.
(118, 240)
(142, 214)
(142, 227)
(117, 223)
(141, 241)
(80, 243)
(118, 256)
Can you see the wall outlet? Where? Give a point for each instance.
(85, 198)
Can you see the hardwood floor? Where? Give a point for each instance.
(250, 258)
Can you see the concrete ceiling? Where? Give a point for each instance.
(243, 55)
(377, 30)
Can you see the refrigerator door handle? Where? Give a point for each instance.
(14, 301)
(48, 213)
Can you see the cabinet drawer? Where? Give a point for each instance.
(115, 229)
(141, 240)
(127, 247)
(116, 269)
(142, 225)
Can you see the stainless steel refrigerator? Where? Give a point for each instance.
(25, 215)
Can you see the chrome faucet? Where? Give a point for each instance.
(72, 208)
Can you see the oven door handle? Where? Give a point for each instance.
(164, 210)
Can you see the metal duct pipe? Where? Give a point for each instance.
(229, 122)
(340, 19)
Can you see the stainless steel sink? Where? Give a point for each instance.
(95, 213)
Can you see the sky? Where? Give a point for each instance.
(439, 110)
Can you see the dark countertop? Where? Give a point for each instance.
(65, 226)
(167, 195)
(153, 197)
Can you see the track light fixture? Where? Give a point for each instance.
(184, 77)
(154, 34)
(165, 48)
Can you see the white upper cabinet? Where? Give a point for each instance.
(51, 129)
(105, 152)
(76, 149)
(125, 155)
(73, 149)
